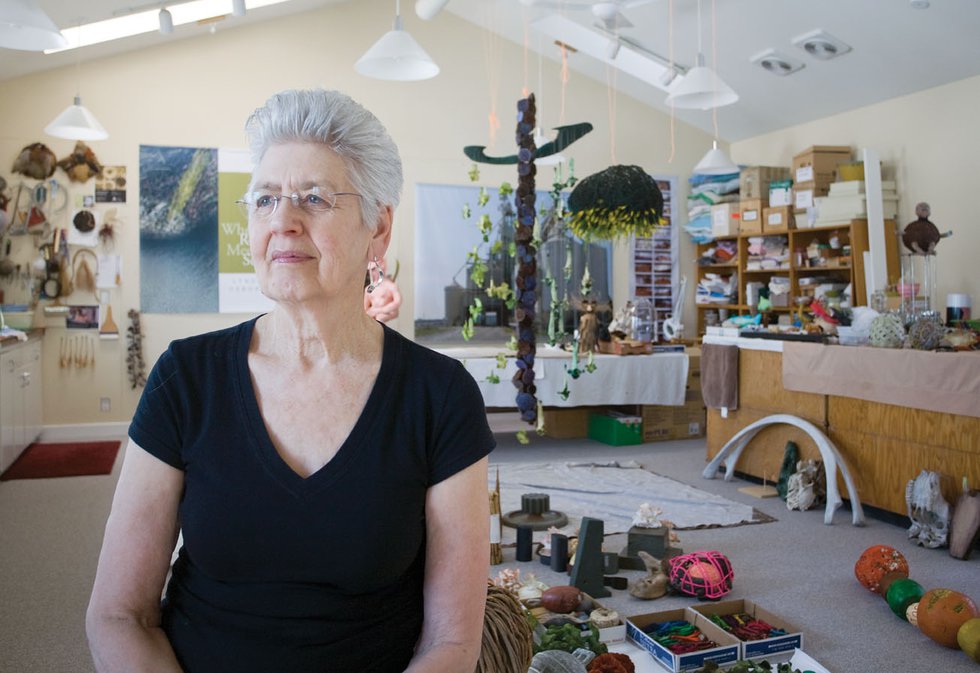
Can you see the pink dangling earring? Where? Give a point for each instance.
(375, 266)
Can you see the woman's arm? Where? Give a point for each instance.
(123, 618)
(457, 560)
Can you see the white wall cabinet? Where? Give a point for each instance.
(20, 399)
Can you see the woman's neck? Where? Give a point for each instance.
(302, 334)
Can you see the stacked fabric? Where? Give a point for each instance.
(707, 191)
(714, 288)
(767, 253)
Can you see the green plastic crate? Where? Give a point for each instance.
(608, 430)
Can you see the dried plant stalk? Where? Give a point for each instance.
(507, 637)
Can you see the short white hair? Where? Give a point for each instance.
(337, 121)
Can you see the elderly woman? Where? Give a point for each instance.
(327, 474)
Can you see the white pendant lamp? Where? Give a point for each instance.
(715, 162)
(701, 88)
(76, 123)
(238, 8)
(24, 26)
(397, 56)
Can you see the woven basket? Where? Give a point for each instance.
(507, 638)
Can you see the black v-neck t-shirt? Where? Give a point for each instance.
(284, 573)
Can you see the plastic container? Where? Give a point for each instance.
(643, 322)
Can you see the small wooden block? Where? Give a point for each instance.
(766, 491)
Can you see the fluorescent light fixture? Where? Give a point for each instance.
(76, 123)
(630, 58)
(23, 25)
(715, 162)
(148, 21)
(397, 57)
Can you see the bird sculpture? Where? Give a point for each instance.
(921, 236)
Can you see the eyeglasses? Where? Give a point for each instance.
(261, 205)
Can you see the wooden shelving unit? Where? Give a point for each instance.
(851, 270)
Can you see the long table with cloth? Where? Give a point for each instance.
(659, 378)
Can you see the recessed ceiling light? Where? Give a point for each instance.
(822, 45)
(777, 63)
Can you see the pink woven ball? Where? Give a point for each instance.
(704, 574)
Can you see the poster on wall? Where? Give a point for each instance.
(178, 229)
(238, 287)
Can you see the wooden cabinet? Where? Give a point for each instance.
(829, 263)
(20, 399)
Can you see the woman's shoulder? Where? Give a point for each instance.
(218, 343)
(417, 355)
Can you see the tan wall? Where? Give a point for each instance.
(929, 144)
(198, 92)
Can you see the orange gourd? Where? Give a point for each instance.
(876, 562)
(942, 612)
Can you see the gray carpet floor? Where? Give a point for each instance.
(51, 530)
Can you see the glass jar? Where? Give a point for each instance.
(643, 322)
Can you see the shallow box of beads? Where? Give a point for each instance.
(682, 640)
(760, 632)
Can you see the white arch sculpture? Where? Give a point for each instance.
(832, 460)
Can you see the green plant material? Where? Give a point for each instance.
(501, 361)
(512, 249)
(522, 437)
(478, 272)
(502, 291)
(492, 377)
(497, 246)
(505, 190)
(466, 211)
(486, 226)
(616, 202)
(590, 366)
(569, 637)
(484, 196)
(467, 329)
(474, 173)
(511, 344)
(565, 392)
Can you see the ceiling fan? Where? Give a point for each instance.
(610, 13)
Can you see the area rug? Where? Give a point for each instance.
(70, 459)
(613, 492)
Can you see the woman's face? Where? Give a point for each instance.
(301, 254)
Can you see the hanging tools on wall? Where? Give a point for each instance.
(76, 351)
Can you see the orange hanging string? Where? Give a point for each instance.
(564, 81)
(491, 63)
(611, 100)
(670, 62)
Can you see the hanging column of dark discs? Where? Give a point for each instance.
(527, 268)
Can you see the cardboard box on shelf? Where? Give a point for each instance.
(727, 650)
(756, 649)
(781, 193)
(753, 181)
(819, 163)
(750, 221)
(779, 218)
(662, 423)
(724, 219)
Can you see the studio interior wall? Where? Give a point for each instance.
(198, 92)
(928, 143)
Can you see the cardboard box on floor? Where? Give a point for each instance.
(567, 422)
(757, 649)
(663, 423)
(727, 652)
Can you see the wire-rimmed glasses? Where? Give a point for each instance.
(263, 205)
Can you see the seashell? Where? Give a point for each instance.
(527, 593)
(556, 661)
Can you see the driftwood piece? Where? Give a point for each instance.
(964, 526)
